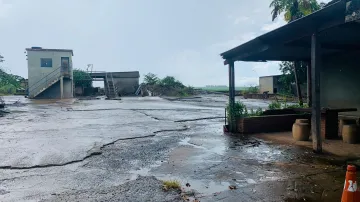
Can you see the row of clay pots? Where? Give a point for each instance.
(349, 130)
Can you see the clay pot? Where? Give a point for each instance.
(349, 133)
(301, 131)
(345, 122)
(302, 121)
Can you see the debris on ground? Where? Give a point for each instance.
(232, 187)
(142, 189)
(171, 184)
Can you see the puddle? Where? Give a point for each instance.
(218, 146)
(186, 142)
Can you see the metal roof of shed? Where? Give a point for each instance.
(292, 42)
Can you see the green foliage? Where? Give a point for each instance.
(237, 111)
(151, 79)
(278, 105)
(293, 9)
(186, 91)
(170, 81)
(274, 105)
(288, 76)
(240, 111)
(258, 112)
(8, 82)
(252, 90)
(7, 89)
(82, 78)
(167, 86)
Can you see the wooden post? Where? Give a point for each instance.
(315, 91)
(298, 89)
(232, 121)
(309, 84)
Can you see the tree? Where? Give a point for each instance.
(8, 82)
(288, 75)
(170, 81)
(82, 78)
(294, 9)
(151, 79)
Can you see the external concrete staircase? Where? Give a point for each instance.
(111, 89)
(48, 85)
(45, 82)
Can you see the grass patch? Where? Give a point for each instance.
(171, 184)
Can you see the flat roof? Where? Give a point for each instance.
(50, 50)
(131, 74)
(292, 42)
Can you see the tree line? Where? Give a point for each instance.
(8, 82)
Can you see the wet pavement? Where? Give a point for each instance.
(95, 150)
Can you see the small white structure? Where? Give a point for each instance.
(50, 73)
(269, 84)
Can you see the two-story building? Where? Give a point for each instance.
(50, 73)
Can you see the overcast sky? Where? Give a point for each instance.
(181, 38)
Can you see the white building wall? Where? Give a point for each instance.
(36, 72)
(266, 84)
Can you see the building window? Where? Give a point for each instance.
(46, 62)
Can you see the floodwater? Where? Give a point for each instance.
(53, 149)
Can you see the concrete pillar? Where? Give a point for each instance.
(61, 87)
(232, 121)
(315, 93)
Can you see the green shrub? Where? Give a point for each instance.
(82, 78)
(241, 111)
(274, 105)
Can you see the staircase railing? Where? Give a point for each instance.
(114, 86)
(46, 80)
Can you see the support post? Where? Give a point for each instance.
(298, 89)
(315, 92)
(61, 87)
(232, 121)
(309, 100)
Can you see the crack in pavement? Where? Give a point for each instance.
(198, 119)
(94, 153)
(172, 130)
(148, 115)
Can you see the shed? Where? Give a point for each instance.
(329, 41)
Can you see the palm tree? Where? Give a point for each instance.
(294, 9)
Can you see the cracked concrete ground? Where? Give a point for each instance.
(95, 150)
